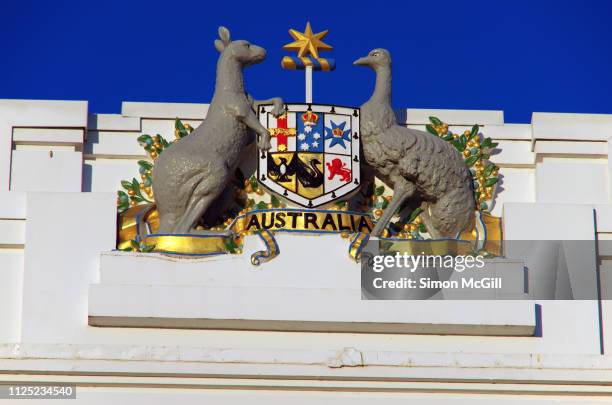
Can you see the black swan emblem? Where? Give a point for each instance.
(309, 174)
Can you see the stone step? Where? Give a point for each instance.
(300, 309)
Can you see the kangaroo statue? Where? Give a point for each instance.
(195, 171)
(421, 168)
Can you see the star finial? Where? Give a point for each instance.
(307, 43)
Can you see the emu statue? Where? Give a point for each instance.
(420, 168)
(195, 171)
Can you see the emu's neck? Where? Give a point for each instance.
(229, 76)
(382, 91)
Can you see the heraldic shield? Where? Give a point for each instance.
(314, 159)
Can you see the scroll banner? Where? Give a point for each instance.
(140, 222)
(264, 223)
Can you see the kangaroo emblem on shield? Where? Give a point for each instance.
(314, 159)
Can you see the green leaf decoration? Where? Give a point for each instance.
(471, 160)
(181, 128)
(384, 204)
(489, 144)
(474, 131)
(431, 129)
(463, 141)
(491, 181)
(275, 201)
(489, 169)
(379, 190)
(457, 144)
(123, 201)
(254, 183)
(261, 205)
(476, 154)
(145, 164)
(230, 245)
(145, 140)
(435, 121)
(414, 214)
(144, 167)
(422, 228)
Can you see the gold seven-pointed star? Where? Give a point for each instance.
(307, 43)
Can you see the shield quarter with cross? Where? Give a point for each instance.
(314, 159)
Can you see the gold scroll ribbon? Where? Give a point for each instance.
(486, 234)
(195, 245)
(302, 221)
(131, 220)
(265, 222)
(272, 249)
(262, 223)
(357, 244)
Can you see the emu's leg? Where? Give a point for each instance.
(427, 220)
(403, 190)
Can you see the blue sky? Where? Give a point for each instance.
(517, 56)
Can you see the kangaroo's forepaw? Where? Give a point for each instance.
(278, 109)
(264, 144)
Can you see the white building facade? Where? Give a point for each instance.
(145, 328)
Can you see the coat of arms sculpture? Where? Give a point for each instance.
(315, 154)
(326, 169)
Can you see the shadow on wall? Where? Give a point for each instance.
(92, 139)
(87, 177)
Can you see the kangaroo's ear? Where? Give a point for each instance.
(224, 34)
(219, 45)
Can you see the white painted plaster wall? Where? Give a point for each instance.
(34, 114)
(555, 173)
